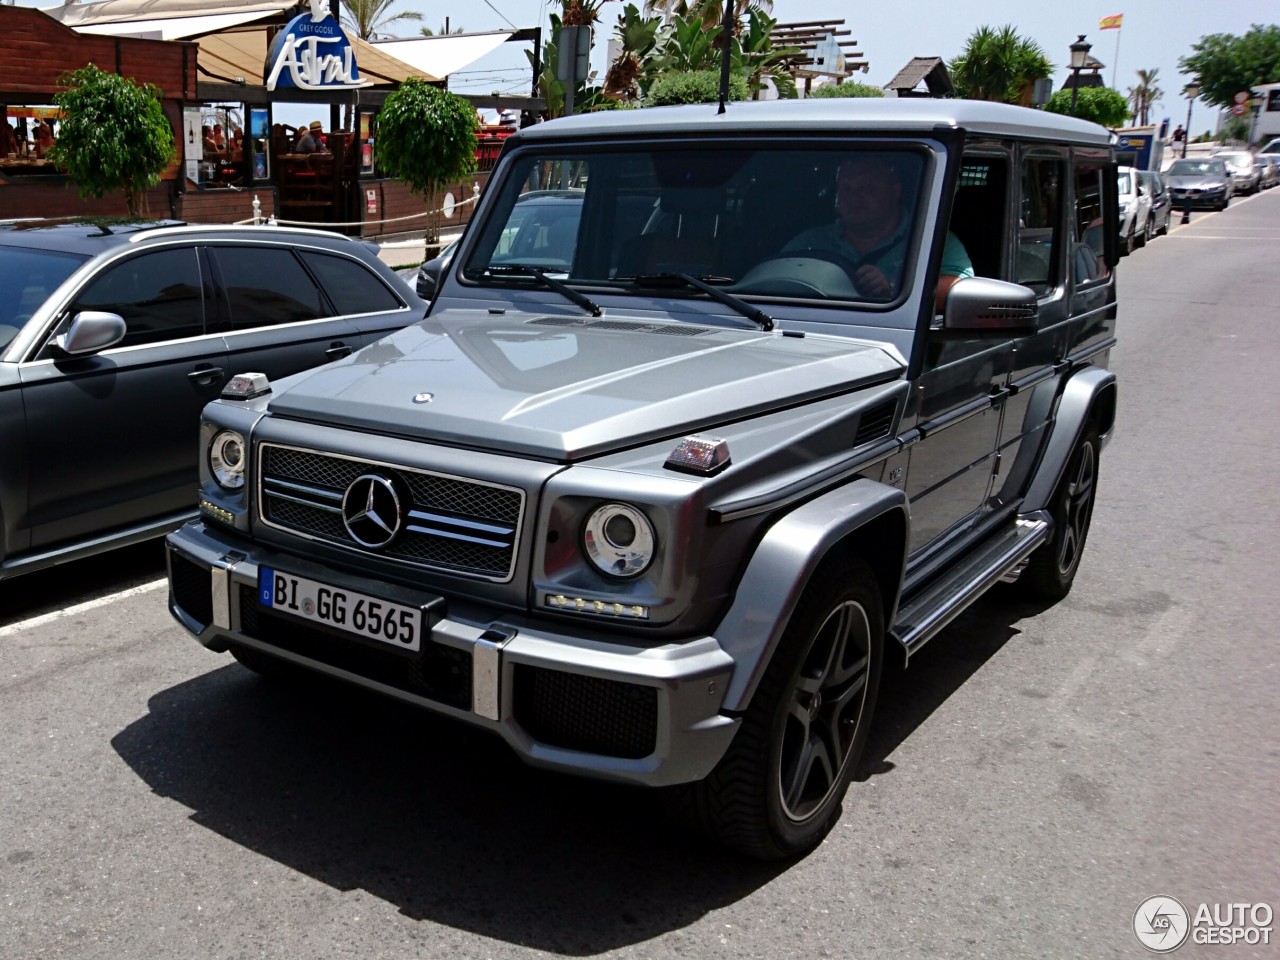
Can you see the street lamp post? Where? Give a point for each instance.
(1192, 90)
(1079, 57)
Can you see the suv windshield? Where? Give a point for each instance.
(27, 278)
(771, 222)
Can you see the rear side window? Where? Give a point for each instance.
(1089, 249)
(266, 286)
(352, 287)
(158, 294)
(1042, 186)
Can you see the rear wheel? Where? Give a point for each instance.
(777, 790)
(1052, 568)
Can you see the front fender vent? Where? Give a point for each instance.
(876, 423)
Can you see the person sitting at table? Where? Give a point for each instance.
(219, 138)
(206, 138)
(310, 141)
(235, 146)
(44, 139)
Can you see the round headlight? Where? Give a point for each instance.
(619, 540)
(227, 458)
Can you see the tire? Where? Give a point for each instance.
(777, 791)
(1052, 568)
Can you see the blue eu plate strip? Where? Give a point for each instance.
(266, 577)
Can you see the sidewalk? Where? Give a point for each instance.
(410, 253)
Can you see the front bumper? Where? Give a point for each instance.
(1198, 198)
(567, 701)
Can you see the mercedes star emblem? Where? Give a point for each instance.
(371, 511)
(423, 397)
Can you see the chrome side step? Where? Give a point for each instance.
(1001, 557)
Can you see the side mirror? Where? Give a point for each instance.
(978, 305)
(91, 331)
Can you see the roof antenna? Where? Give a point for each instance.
(726, 35)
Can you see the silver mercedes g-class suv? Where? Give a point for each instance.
(745, 405)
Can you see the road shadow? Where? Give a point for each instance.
(361, 792)
(909, 696)
(55, 588)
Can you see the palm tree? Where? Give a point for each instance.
(1144, 95)
(365, 18)
(444, 30)
(999, 65)
(710, 12)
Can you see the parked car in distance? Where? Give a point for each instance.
(1270, 170)
(1135, 210)
(113, 337)
(1246, 175)
(1153, 185)
(659, 500)
(1199, 183)
(1271, 147)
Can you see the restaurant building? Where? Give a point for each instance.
(227, 74)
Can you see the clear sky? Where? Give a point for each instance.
(1155, 34)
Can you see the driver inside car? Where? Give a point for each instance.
(871, 232)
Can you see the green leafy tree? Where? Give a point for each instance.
(756, 56)
(1102, 105)
(365, 18)
(1143, 95)
(637, 36)
(999, 65)
(835, 90)
(581, 13)
(697, 86)
(1227, 64)
(113, 135)
(708, 12)
(426, 137)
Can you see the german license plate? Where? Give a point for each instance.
(358, 613)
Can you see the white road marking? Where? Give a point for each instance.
(1204, 236)
(44, 618)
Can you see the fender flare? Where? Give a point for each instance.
(784, 560)
(1091, 390)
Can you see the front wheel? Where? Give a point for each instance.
(777, 791)
(1052, 568)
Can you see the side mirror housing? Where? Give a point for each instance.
(978, 305)
(90, 332)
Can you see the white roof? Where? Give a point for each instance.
(441, 56)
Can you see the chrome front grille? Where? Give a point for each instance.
(450, 523)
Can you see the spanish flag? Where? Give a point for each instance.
(1111, 23)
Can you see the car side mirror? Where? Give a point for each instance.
(91, 331)
(978, 305)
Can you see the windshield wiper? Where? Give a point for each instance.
(527, 270)
(754, 314)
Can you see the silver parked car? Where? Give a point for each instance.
(1246, 174)
(661, 504)
(1270, 170)
(1200, 183)
(1135, 210)
(1161, 198)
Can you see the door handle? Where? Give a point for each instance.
(205, 375)
(337, 350)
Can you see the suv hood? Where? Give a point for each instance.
(1194, 183)
(564, 388)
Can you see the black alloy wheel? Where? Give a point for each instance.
(1052, 567)
(777, 791)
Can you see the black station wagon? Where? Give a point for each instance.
(802, 381)
(114, 336)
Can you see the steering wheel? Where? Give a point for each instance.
(802, 273)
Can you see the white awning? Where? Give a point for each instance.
(81, 16)
(443, 55)
(174, 28)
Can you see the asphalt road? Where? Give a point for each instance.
(1033, 777)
